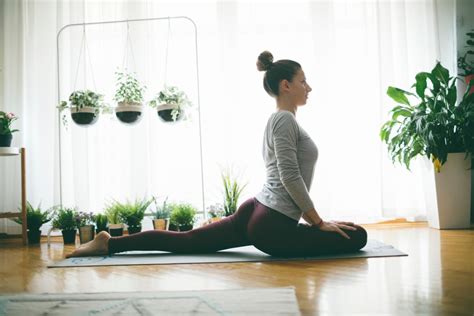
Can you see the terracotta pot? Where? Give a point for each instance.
(86, 233)
(6, 140)
(161, 224)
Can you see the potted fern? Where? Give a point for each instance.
(112, 211)
(35, 218)
(170, 104)
(85, 107)
(132, 214)
(182, 217)
(232, 191)
(129, 96)
(435, 125)
(101, 222)
(162, 215)
(65, 220)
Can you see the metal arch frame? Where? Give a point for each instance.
(197, 84)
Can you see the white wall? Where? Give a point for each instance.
(464, 23)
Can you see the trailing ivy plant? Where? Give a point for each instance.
(83, 98)
(129, 89)
(433, 124)
(174, 96)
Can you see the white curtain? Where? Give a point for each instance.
(350, 50)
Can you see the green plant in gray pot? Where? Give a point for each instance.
(65, 220)
(182, 216)
(112, 211)
(129, 96)
(132, 214)
(35, 218)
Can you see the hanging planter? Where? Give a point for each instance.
(85, 107)
(171, 104)
(129, 97)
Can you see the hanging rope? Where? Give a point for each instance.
(85, 47)
(128, 41)
(167, 48)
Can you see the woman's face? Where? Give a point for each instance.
(299, 88)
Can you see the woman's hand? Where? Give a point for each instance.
(335, 226)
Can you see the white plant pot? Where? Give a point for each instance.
(452, 209)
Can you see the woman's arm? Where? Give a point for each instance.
(313, 218)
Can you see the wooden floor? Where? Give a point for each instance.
(437, 278)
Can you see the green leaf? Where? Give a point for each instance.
(441, 73)
(398, 95)
(421, 84)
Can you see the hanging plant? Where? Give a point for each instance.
(129, 96)
(85, 107)
(170, 104)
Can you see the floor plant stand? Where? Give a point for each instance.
(15, 151)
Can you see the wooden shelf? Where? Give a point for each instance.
(9, 151)
(10, 214)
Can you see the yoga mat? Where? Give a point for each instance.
(373, 248)
(269, 301)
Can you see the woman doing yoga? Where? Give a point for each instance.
(270, 220)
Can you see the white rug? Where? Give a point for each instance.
(270, 301)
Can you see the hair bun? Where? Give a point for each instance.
(265, 61)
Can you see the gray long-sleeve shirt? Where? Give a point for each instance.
(290, 156)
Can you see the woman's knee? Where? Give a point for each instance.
(359, 237)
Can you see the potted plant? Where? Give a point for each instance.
(170, 104)
(232, 191)
(132, 214)
(112, 212)
(65, 220)
(35, 218)
(101, 222)
(84, 222)
(129, 95)
(182, 216)
(162, 215)
(215, 212)
(85, 107)
(435, 125)
(466, 61)
(6, 119)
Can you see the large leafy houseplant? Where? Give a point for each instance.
(434, 123)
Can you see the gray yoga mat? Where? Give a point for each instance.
(374, 248)
(266, 301)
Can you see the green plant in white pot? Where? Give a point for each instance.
(129, 96)
(437, 126)
(85, 107)
(171, 104)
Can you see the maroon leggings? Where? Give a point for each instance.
(253, 224)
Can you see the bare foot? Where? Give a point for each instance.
(97, 247)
